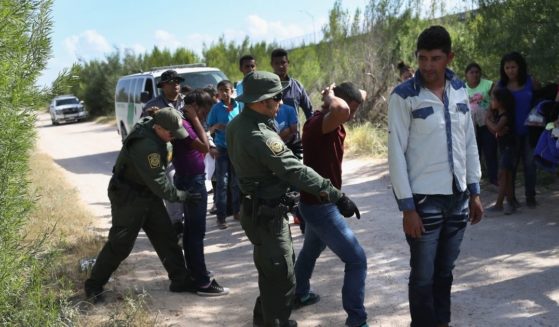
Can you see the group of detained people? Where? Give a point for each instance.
(434, 169)
(500, 111)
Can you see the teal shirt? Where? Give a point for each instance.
(264, 166)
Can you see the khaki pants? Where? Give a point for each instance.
(128, 217)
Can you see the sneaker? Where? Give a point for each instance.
(94, 294)
(494, 209)
(531, 202)
(213, 290)
(509, 209)
(186, 285)
(308, 299)
(515, 203)
(221, 224)
(237, 216)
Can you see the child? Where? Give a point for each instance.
(190, 174)
(500, 122)
(218, 118)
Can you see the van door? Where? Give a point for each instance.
(122, 95)
(137, 104)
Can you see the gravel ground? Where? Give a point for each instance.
(507, 273)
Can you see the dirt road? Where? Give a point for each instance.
(507, 273)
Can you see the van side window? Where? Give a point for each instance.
(149, 87)
(138, 89)
(122, 90)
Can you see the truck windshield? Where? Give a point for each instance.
(64, 102)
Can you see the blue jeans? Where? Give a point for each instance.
(525, 152)
(195, 226)
(224, 174)
(433, 255)
(325, 226)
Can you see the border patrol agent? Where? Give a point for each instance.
(266, 168)
(136, 191)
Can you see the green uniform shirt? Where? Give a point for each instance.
(143, 159)
(264, 166)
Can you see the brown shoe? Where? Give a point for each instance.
(237, 216)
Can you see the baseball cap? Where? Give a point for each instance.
(259, 86)
(170, 119)
(170, 76)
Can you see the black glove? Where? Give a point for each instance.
(296, 146)
(185, 196)
(347, 207)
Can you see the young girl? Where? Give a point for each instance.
(500, 122)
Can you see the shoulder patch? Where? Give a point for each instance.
(276, 145)
(154, 160)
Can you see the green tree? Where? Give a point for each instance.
(25, 298)
(529, 27)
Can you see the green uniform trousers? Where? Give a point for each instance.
(274, 259)
(128, 217)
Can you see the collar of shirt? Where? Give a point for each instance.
(231, 105)
(258, 117)
(449, 75)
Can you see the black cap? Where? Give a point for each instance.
(170, 76)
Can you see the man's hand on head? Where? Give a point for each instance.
(328, 94)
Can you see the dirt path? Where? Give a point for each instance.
(507, 273)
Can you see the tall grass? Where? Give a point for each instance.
(61, 220)
(367, 139)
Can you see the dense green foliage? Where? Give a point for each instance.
(25, 26)
(529, 27)
(363, 47)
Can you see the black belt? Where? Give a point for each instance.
(268, 202)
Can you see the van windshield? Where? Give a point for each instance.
(200, 79)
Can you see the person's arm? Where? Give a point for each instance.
(338, 112)
(277, 157)
(473, 170)
(399, 121)
(287, 133)
(496, 128)
(213, 124)
(147, 159)
(200, 143)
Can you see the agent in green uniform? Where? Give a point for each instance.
(136, 191)
(266, 168)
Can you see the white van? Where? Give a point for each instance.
(133, 91)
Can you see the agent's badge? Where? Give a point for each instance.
(154, 160)
(276, 145)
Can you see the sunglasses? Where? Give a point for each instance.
(277, 97)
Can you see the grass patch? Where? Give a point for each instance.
(366, 140)
(65, 227)
(106, 120)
